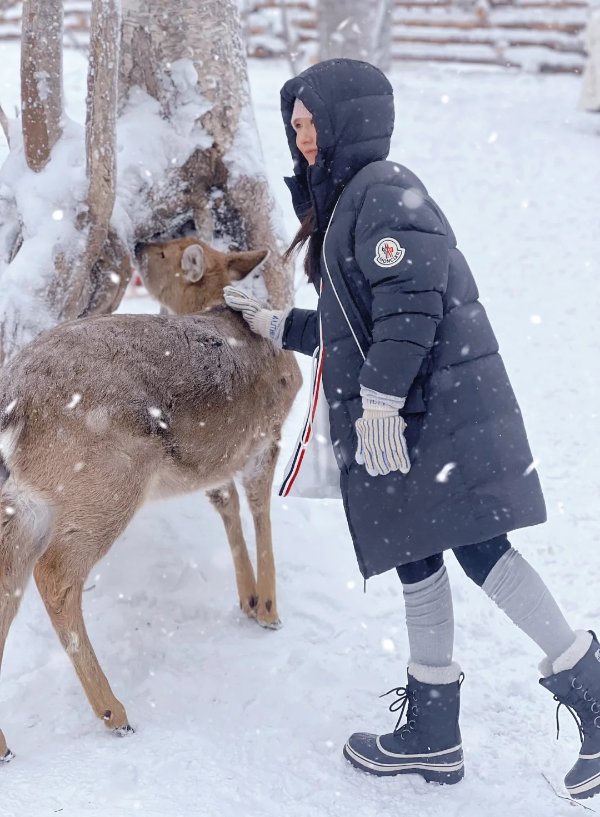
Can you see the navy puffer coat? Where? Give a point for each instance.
(400, 315)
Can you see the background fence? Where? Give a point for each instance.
(534, 35)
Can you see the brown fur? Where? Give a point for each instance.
(99, 415)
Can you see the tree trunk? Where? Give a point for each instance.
(359, 29)
(100, 126)
(41, 79)
(222, 184)
(57, 254)
(86, 288)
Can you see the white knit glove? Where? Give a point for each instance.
(267, 323)
(380, 431)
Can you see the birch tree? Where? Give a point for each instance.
(359, 29)
(57, 186)
(169, 140)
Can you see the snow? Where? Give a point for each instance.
(235, 721)
(148, 145)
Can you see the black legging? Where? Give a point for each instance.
(475, 560)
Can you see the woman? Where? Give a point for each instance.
(428, 435)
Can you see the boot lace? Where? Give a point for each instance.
(405, 696)
(589, 702)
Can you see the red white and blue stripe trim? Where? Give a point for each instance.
(295, 463)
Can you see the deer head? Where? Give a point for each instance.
(187, 275)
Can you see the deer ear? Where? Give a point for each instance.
(192, 263)
(241, 264)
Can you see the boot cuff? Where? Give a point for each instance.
(435, 675)
(575, 652)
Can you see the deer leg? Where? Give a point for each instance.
(227, 503)
(60, 574)
(258, 480)
(91, 517)
(10, 598)
(24, 532)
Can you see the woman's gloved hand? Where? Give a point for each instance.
(381, 444)
(267, 323)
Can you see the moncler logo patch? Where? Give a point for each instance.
(388, 252)
(597, 656)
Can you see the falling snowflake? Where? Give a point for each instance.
(444, 474)
(412, 198)
(531, 468)
(74, 400)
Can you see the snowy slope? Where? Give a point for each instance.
(233, 721)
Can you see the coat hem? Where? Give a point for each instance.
(368, 572)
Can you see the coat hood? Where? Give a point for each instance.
(352, 105)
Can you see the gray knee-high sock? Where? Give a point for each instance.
(430, 620)
(519, 590)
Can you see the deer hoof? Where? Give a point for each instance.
(270, 625)
(7, 757)
(109, 719)
(124, 731)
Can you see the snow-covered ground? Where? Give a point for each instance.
(234, 721)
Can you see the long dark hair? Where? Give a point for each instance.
(307, 232)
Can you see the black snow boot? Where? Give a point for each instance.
(429, 742)
(575, 683)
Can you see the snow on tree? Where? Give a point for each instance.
(169, 139)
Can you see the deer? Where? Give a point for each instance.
(100, 415)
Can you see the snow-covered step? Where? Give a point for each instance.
(543, 35)
(557, 40)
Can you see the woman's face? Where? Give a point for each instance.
(306, 137)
